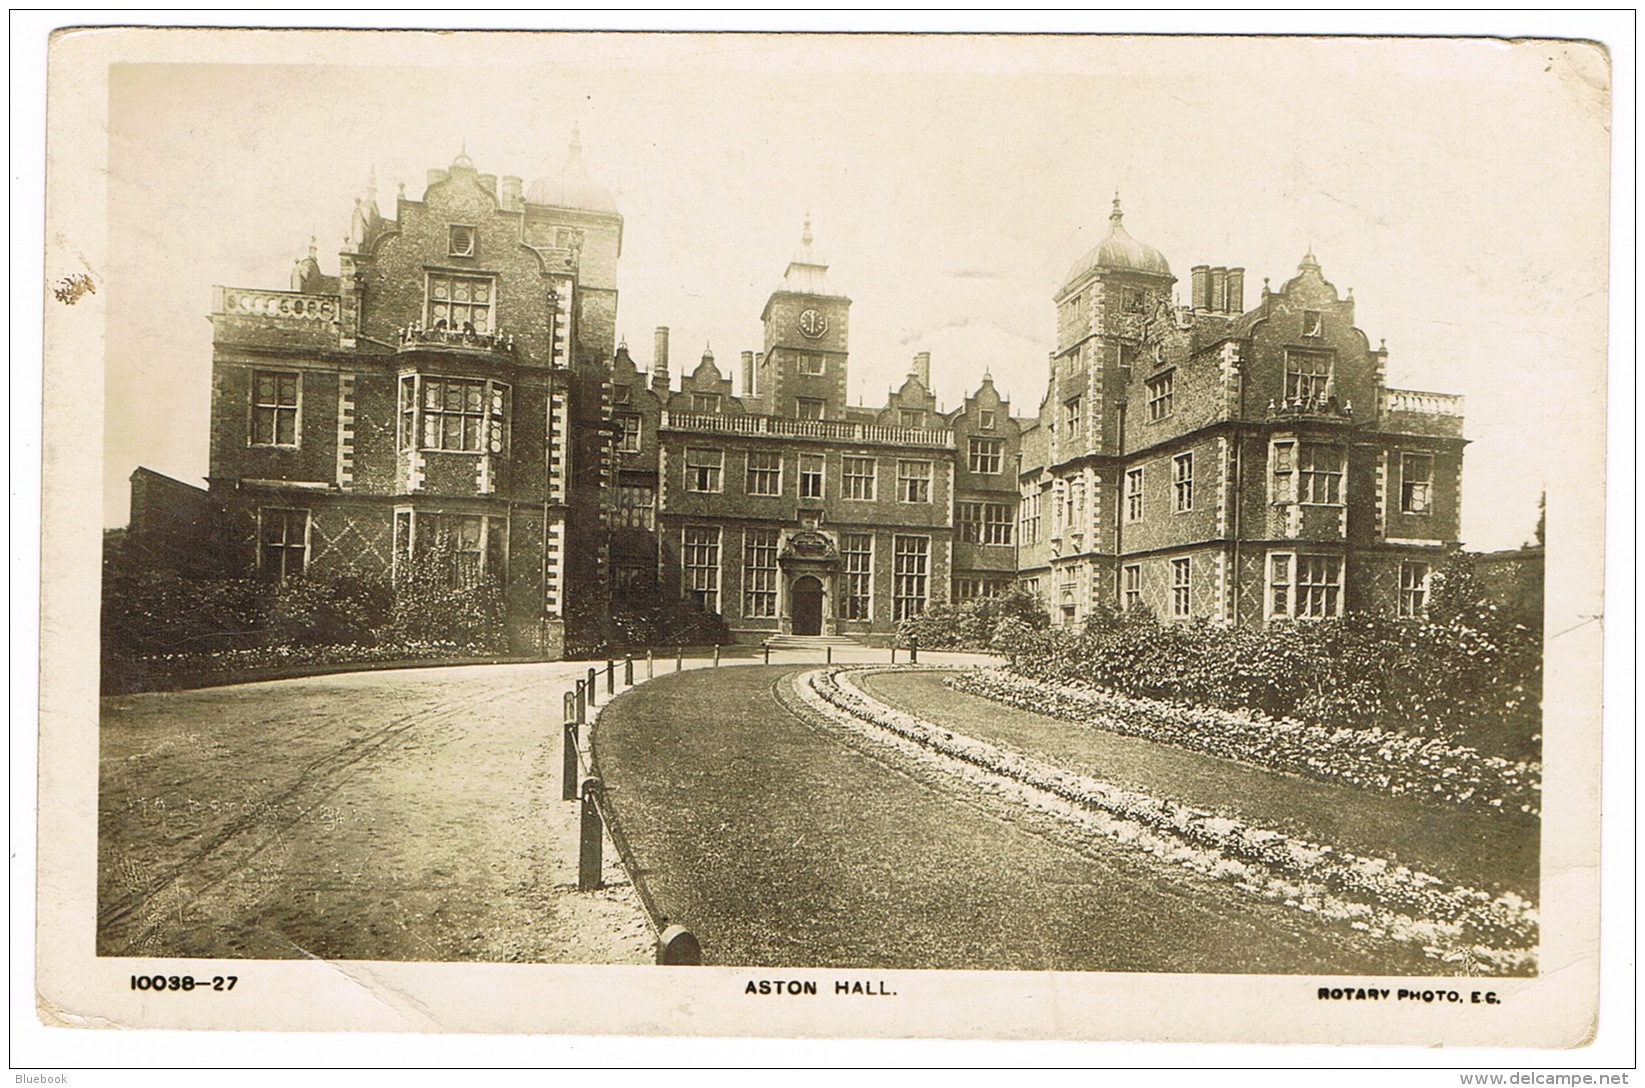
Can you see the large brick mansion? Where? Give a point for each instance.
(460, 379)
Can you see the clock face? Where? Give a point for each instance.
(813, 324)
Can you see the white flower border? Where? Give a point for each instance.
(1449, 922)
(1372, 758)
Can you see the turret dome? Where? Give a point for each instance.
(807, 270)
(570, 186)
(1118, 252)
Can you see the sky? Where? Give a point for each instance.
(1460, 189)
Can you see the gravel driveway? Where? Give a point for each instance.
(402, 815)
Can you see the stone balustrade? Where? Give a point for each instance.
(826, 429)
(414, 337)
(291, 305)
(1421, 403)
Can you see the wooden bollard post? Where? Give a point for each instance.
(679, 658)
(593, 839)
(570, 707)
(678, 947)
(593, 682)
(828, 655)
(768, 653)
(582, 702)
(893, 653)
(650, 665)
(716, 655)
(568, 770)
(610, 677)
(913, 651)
(628, 670)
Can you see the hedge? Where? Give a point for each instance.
(1464, 675)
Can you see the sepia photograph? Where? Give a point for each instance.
(801, 534)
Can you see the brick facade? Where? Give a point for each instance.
(446, 381)
(798, 495)
(1206, 462)
(461, 374)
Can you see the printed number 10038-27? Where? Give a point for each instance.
(185, 983)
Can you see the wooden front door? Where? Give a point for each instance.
(807, 606)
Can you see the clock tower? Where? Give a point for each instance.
(803, 370)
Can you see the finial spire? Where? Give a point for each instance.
(576, 140)
(1116, 215)
(805, 235)
(313, 243)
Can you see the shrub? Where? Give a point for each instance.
(1473, 680)
(975, 624)
(640, 621)
(440, 598)
(348, 610)
(161, 612)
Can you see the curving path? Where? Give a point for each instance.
(395, 815)
(780, 843)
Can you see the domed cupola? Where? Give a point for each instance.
(808, 269)
(571, 187)
(1119, 252)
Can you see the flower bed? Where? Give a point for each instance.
(1372, 758)
(1448, 922)
(159, 671)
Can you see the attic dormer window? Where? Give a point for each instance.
(1313, 323)
(463, 242)
(985, 419)
(1133, 301)
(911, 417)
(707, 404)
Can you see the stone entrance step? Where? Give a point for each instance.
(810, 642)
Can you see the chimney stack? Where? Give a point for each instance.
(1219, 290)
(922, 369)
(659, 360)
(1200, 292)
(1236, 290)
(748, 373)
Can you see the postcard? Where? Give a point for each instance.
(1067, 537)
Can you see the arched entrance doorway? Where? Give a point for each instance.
(806, 599)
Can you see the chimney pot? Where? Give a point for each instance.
(922, 369)
(1219, 290)
(659, 359)
(1200, 290)
(748, 373)
(1236, 290)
